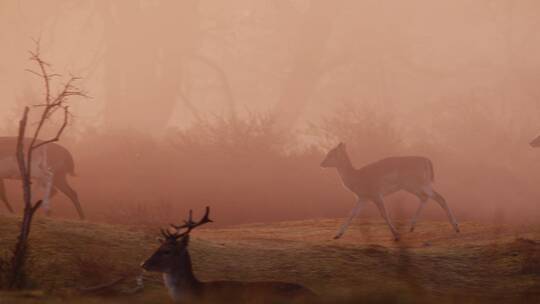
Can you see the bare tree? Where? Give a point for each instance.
(51, 104)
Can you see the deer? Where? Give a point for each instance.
(374, 181)
(52, 164)
(173, 260)
(535, 143)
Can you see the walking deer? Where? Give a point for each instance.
(173, 260)
(372, 182)
(51, 165)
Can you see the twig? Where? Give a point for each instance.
(58, 133)
(106, 286)
(102, 287)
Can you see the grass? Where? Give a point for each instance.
(433, 264)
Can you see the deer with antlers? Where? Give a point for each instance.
(173, 260)
(413, 174)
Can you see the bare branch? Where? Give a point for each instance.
(36, 206)
(35, 56)
(58, 133)
(51, 105)
(101, 287)
(34, 72)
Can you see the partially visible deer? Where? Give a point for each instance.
(52, 165)
(372, 182)
(535, 143)
(173, 260)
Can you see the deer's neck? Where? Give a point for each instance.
(181, 282)
(345, 169)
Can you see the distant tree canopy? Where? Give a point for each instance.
(161, 63)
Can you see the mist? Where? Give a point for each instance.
(235, 103)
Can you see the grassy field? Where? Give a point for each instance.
(433, 264)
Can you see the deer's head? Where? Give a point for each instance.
(173, 251)
(535, 143)
(335, 157)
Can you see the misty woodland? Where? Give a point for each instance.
(269, 151)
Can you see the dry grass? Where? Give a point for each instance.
(481, 264)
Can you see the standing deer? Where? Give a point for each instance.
(372, 182)
(52, 164)
(173, 260)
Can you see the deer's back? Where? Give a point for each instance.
(394, 173)
(256, 292)
(59, 158)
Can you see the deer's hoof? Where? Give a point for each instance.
(412, 229)
(337, 237)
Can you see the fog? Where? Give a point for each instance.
(234, 103)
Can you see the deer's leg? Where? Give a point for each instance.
(47, 185)
(440, 199)
(380, 204)
(53, 191)
(423, 200)
(61, 184)
(352, 215)
(3, 196)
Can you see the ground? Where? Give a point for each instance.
(483, 263)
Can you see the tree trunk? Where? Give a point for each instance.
(20, 252)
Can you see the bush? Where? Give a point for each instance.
(369, 134)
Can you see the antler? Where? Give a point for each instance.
(189, 224)
(166, 234)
